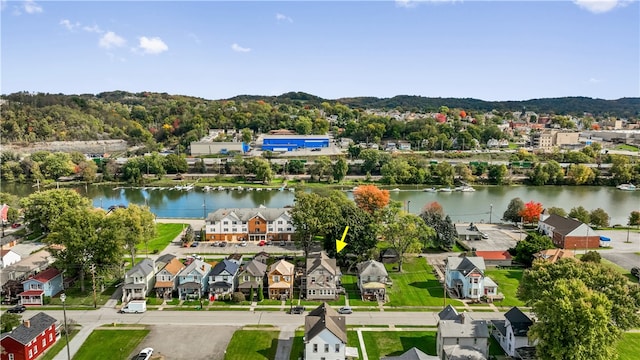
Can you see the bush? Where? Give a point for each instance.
(238, 297)
(592, 256)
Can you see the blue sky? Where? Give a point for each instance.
(490, 50)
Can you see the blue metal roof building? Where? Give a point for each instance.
(294, 142)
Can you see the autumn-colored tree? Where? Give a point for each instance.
(531, 212)
(434, 207)
(370, 198)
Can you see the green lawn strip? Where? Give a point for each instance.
(350, 284)
(416, 286)
(165, 234)
(394, 343)
(59, 345)
(629, 346)
(508, 281)
(339, 302)
(297, 348)
(252, 345)
(269, 302)
(110, 344)
(353, 341)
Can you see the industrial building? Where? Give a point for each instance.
(212, 148)
(281, 143)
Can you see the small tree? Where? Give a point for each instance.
(531, 212)
(251, 294)
(515, 207)
(634, 219)
(599, 218)
(237, 297)
(9, 321)
(533, 243)
(591, 256)
(581, 214)
(260, 293)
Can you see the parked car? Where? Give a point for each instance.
(262, 243)
(195, 244)
(243, 244)
(268, 243)
(297, 310)
(15, 225)
(315, 149)
(223, 244)
(214, 243)
(17, 309)
(484, 236)
(145, 354)
(635, 271)
(345, 310)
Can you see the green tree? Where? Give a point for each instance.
(295, 167)
(555, 173)
(557, 210)
(246, 135)
(599, 218)
(320, 167)
(580, 174)
(634, 218)
(621, 170)
(311, 215)
(533, 243)
(581, 214)
(464, 172)
(175, 164)
(515, 207)
(43, 208)
(57, 165)
(371, 160)
(404, 232)
(497, 174)
(10, 321)
(445, 232)
(303, 125)
(444, 171)
(340, 169)
(132, 226)
(262, 170)
(592, 256)
(538, 176)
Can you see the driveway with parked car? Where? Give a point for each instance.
(194, 342)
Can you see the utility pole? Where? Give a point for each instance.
(93, 280)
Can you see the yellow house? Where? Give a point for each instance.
(281, 275)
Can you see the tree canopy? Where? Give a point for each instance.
(43, 208)
(370, 198)
(514, 209)
(404, 232)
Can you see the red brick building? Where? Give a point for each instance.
(29, 340)
(568, 233)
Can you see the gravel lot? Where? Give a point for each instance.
(189, 342)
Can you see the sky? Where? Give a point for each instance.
(488, 50)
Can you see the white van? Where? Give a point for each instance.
(135, 306)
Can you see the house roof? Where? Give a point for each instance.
(246, 214)
(488, 282)
(249, 284)
(255, 268)
(458, 352)
(45, 276)
(412, 354)
(166, 258)
(465, 264)
(500, 326)
(262, 254)
(190, 285)
(321, 259)
(494, 255)
(463, 327)
(325, 318)
(371, 267)
(31, 293)
(163, 284)
(282, 266)
(553, 255)
(519, 321)
(448, 313)
(280, 285)
(4, 252)
(220, 284)
(562, 225)
(174, 266)
(200, 266)
(37, 324)
(237, 257)
(230, 266)
(144, 266)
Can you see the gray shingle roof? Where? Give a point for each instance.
(465, 327)
(246, 214)
(321, 259)
(372, 268)
(200, 266)
(519, 321)
(256, 268)
(466, 264)
(228, 265)
(412, 354)
(324, 317)
(144, 266)
(448, 313)
(562, 225)
(37, 324)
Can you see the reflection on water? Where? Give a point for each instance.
(479, 206)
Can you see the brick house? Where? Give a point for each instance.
(568, 233)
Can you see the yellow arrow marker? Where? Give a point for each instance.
(340, 244)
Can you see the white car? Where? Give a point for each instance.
(145, 354)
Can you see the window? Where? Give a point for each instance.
(225, 223)
(44, 343)
(337, 347)
(234, 229)
(30, 354)
(279, 229)
(234, 223)
(279, 222)
(35, 349)
(50, 337)
(315, 347)
(225, 278)
(276, 278)
(288, 229)
(225, 229)
(11, 357)
(326, 347)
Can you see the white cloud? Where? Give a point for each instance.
(30, 7)
(93, 29)
(111, 40)
(414, 3)
(594, 81)
(153, 45)
(282, 17)
(68, 24)
(238, 48)
(600, 6)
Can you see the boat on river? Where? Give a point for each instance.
(446, 190)
(431, 190)
(626, 187)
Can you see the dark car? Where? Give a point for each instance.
(635, 271)
(223, 244)
(315, 149)
(17, 309)
(195, 244)
(297, 309)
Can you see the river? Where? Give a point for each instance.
(487, 203)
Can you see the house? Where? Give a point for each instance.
(262, 257)
(465, 277)
(325, 334)
(193, 280)
(166, 278)
(30, 339)
(249, 224)
(553, 255)
(236, 258)
(163, 260)
(495, 258)
(468, 232)
(568, 233)
(372, 280)
(139, 281)
(511, 333)
(322, 277)
(44, 283)
(280, 279)
(412, 354)
(389, 255)
(252, 276)
(222, 278)
(461, 337)
(8, 257)
(404, 145)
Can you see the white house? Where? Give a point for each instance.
(139, 281)
(511, 332)
(461, 337)
(193, 281)
(325, 334)
(465, 277)
(9, 257)
(222, 278)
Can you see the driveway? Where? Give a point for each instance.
(188, 342)
(500, 237)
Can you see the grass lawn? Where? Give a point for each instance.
(394, 343)
(252, 344)
(76, 297)
(58, 346)
(508, 281)
(165, 234)
(339, 302)
(297, 349)
(416, 286)
(626, 147)
(110, 344)
(629, 346)
(350, 283)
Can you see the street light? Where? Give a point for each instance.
(490, 212)
(63, 297)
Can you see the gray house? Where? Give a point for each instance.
(193, 280)
(222, 278)
(252, 276)
(139, 281)
(412, 354)
(323, 277)
(512, 332)
(372, 280)
(461, 337)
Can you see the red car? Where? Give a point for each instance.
(262, 243)
(15, 226)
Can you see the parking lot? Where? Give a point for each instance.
(500, 237)
(188, 342)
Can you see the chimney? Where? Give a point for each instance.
(27, 323)
(462, 318)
